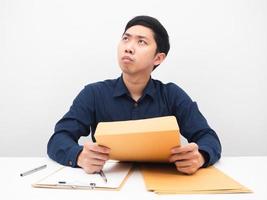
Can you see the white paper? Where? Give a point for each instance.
(76, 177)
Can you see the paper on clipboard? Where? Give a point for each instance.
(77, 178)
(148, 140)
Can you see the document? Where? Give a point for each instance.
(76, 178)
(165, 179)
(148, 140)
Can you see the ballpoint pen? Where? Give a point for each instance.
(33, 170)
(103, 176)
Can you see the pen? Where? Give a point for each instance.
(33, 170)
(103, 176)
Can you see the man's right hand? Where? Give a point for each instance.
(93, 157)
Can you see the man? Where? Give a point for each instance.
(135, 95)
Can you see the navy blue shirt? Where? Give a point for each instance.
(110, 100)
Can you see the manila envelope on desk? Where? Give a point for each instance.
(148, 140)
(165, 179)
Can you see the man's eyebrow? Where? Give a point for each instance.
(138, 36)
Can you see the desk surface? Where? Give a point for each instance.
(249, 171)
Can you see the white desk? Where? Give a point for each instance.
(249, 171)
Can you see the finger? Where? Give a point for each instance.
(99, 156)
(92, 169)
(90, 165)
(90, 146)
(97, 148)
(98, 168)
(187, 170)
(97, 162)
(86, 145)
(183, 156)
(183, 164)
(189, 147)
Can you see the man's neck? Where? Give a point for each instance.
(135, 85)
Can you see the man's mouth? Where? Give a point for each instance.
(127, 59)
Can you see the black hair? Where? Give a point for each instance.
(160, 34)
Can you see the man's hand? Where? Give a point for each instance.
(187, 158)
(93, 157)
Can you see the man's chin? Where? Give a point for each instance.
(128, 69)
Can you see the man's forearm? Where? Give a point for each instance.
(63, 149)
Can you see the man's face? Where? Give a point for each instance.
(137, 50)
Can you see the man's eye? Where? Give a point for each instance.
(143, 42)
(124, 38)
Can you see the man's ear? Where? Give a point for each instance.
(159, 57)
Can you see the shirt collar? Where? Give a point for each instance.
(150, 89)
(121, 89)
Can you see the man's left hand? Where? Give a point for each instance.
(187, 158)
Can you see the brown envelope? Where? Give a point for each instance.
(147, 140)
(165, 179)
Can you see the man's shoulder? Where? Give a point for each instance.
(105, 84)
(169, 87)
(172, 91)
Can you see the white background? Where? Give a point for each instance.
(49, 50)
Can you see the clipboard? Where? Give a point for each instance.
(76, 178)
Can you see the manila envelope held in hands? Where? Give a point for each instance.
(145, 140)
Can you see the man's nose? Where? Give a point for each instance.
(129, 48)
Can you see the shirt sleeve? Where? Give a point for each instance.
(63, 145)
(194, 126)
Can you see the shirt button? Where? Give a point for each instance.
(70, 163)
(135, 104)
